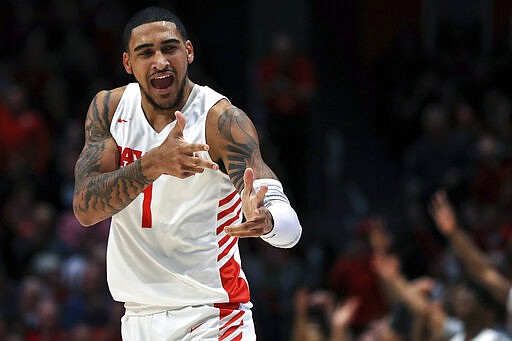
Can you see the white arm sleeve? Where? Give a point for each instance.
(287, 229)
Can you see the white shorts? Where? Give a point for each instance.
(189, 323)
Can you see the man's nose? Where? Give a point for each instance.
(160, 62)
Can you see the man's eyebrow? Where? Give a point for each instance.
(164, 42)
(170, 41)
(142, 46)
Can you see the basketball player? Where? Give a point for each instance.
(176, 166)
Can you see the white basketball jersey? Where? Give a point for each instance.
(168, 247)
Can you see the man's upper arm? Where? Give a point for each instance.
(234, 141)
(101, 187)
(100, 153)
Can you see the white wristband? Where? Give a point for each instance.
(287, 229)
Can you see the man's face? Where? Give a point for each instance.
(158, 58)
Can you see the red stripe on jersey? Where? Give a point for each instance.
(238, 337)
(228, 198)
(228, 222)
(229, 210)
(233, 319)
(228, 248)
(226, 308)
(229, 332)
(235, 286)
(224, 240)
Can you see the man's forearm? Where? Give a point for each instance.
(467, 252)
(407, 295)
(100, 196)
(477, 265)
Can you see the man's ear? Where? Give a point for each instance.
(126, 63)
(190, 51)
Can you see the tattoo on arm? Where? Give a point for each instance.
(242, 144)
(104, 192)
(111, 192)
(96, 134)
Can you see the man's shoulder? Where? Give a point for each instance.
(221, 106)
(106, 101)
(207, 90)
(212, 99)
(111, 97)
(114, 94)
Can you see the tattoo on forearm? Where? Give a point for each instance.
(241, 147)
(111, 192)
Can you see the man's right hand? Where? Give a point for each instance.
(179, 158)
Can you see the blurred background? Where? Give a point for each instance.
(364, 108)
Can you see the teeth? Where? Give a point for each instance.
(162, 77)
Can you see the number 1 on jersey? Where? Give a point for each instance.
(146, 206)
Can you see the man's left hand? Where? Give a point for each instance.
(258, 218)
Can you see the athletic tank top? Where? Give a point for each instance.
(168, 247)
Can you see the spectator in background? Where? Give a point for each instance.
(287, 84)
(319, 318)
(47, 327)
(479, 313)
(401, 83)
(89, 302)
(352, 276)
(497, 110)
(475, 312)
(474, 261)
(492, 169)
(32, 293)
(467, 126)
(27, 229)
(25, 146)
(435, 159)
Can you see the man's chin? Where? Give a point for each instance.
(162, 101)
(164, 106)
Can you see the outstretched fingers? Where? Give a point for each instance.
(177, 157)
(248, 192)
(258, 218)
(195, 160)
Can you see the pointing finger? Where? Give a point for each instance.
(180, 124)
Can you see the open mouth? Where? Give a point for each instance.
(162, 82)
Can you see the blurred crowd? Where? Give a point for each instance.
(55, 55)
(445, 118)
(441, 270)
